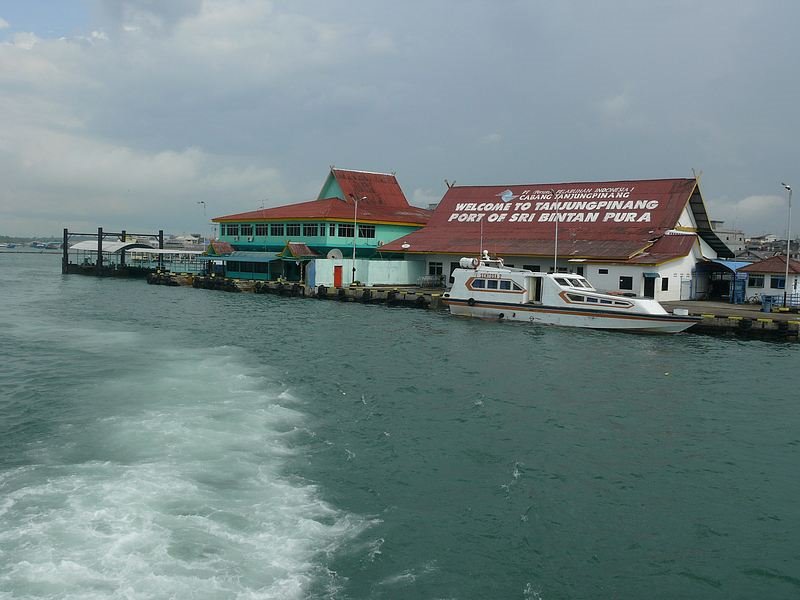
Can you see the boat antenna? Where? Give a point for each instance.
(555, 241)
(480, 250)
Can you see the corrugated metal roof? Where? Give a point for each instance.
(379, 188)
(732, 265)
(335, 209)
(297, 250)
(110, 247)
(384, 202)
(667, 247)
(602, 220)
(775, 264)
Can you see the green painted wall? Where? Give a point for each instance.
(331, 189)
(322, 243)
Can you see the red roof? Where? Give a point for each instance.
(334, 209)
(383, 202)
(298, 250)
(775, 264)
(666, 248)
(219, 248)
(602, 220)
(379, 188)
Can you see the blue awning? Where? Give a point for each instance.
(731, 265)
(243, 256)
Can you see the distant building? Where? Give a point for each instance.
(768, 277)
(732, 238)
(646, 237)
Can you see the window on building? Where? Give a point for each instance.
(579, 270)
(366, 231)
(453, 267)
(434, 268)
(331, 229)
(625, 282)
(345, 230)
(534, 268)
(293, 230)
(602, 271)
(665, 284)
(310, 229)
(276, 230)
(232, 229)
(246, 229)
(261, 229)
(755, 281)
(777, 282)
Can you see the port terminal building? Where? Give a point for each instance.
(334, 240)
(650, 238)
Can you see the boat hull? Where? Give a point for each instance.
(571, 317)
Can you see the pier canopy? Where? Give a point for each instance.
(110, 247)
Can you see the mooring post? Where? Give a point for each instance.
(98, 265)
(122, 251)
(65, 253)
(160, 247)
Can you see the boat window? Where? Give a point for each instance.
(575, 297)
(590, 299)
(575, 283)
(479, 283)
(505, 284)
(562, 281)
(621, 304)
(492, 284)
(517, 286)
(604, 301)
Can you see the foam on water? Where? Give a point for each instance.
(169, 476)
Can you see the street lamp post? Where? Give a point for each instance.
(203, 202)
(788, 243)
(355, 233)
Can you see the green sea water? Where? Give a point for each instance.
(161, 442)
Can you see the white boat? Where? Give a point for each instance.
(485, 288)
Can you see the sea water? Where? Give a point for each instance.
(161, 442)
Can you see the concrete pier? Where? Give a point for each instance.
(746, 320)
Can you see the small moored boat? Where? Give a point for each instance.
(486, 288)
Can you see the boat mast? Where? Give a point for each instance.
(555, 241)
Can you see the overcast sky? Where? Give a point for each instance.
(130, 113)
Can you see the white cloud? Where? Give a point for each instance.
(4, 24)
(756, 215)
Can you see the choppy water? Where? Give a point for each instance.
(176, 443)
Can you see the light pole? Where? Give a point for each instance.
(203, 202)
(355, 233)
(788, 242)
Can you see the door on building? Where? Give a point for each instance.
(649, 287)
(337, 276)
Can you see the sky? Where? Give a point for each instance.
(146, 115)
